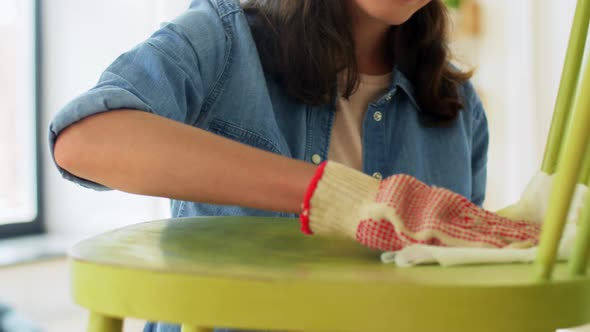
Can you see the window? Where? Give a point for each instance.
(20, 211)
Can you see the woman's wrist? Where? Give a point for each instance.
(334, 198)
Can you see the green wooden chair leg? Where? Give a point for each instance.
(567, 86)
(578, 261)
(102, 323)
(188, 328)
(568, 172)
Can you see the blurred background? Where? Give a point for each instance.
(52, 53)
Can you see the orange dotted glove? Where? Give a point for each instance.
(400, 210)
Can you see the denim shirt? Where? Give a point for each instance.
(203, 69)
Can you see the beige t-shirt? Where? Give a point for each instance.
(346, 139)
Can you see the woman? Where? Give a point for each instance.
(229, 110)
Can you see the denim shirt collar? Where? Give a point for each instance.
(400, 80)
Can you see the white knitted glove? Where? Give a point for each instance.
(400, 210)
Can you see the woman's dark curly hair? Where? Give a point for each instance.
(306, 43)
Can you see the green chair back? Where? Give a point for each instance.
(567, 152)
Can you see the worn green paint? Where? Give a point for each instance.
(229, 245)
(266, 249)
(262, 273)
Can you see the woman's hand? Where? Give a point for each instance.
(400, 210)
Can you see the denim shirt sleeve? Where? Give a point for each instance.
(479, 152)
(169, 75)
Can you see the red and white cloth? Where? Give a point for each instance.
(531, 206)
(400, 211)
(418, 254)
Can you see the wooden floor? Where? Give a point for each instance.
(40, 291)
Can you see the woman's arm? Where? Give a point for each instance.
(142, 153)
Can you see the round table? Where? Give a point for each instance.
(262, 273)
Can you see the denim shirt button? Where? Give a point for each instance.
(378, 176)
(316, 159)
(377, 116)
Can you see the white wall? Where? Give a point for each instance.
(553, 22)
(518, 60)
(81, 38)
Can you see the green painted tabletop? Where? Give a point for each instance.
(274, 248)
(264, 274)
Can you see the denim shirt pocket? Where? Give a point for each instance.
(242, 135)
